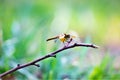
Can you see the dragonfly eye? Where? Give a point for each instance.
(67, 36)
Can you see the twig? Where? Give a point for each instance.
(53, 54)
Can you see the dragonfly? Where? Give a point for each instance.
(64, 38)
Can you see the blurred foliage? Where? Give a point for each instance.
(26, 24)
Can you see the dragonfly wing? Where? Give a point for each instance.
(55, 40)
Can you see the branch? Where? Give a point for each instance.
(53, 54)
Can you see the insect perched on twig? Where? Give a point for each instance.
(64, 38)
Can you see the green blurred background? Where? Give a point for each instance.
(26, 24)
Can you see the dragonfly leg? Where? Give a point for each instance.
(68, 42)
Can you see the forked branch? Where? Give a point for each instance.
(53, 54)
